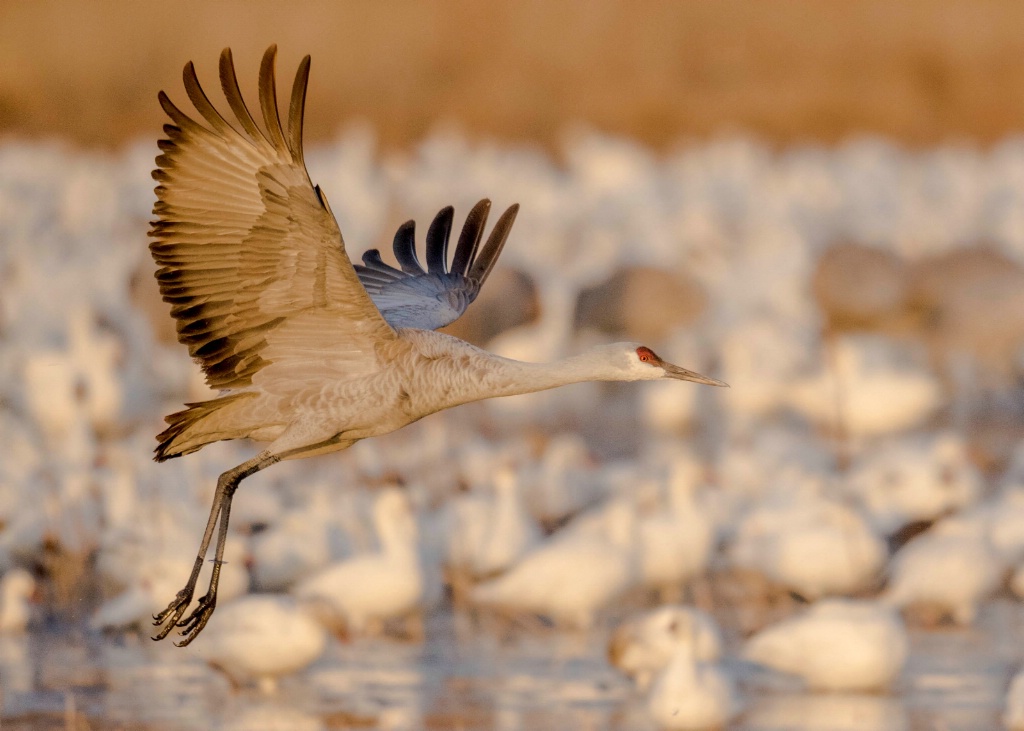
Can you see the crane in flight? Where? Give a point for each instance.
(310, 353)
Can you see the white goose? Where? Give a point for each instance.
(262, 637)
(1013, 710)
(677, 540)
(836, 645)
(502, 530)
(918, 477)
(691, 694)
(570, 579)
(361, 592)
(512, 531)
(643, 645)
(813, 546)
(17, 587)
(874, 386)
(952, 568)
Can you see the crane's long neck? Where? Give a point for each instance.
(508, 377)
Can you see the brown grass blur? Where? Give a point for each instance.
(921, 71)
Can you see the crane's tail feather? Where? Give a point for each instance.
(197, 426)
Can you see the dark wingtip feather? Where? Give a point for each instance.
(229, 85)
(437, 241)
(268, 100)
(405, 249)
(469, 239)
(201, 101)
(180, 119)
(296, 110)
(484, 263)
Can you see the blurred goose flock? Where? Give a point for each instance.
(836, 542)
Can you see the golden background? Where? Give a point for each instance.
(920, 72)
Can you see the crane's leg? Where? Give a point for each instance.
(220, 510)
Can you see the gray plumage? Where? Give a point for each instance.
(312, 354)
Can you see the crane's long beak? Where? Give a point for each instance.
(674, 371)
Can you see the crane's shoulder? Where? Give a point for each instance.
(433, 344)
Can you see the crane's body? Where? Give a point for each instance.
(311, 353)
(420, 373)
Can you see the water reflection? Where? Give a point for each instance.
(472, 680)
(834, 712)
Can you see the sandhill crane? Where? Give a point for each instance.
(311, 353)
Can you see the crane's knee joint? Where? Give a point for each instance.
(228, 482)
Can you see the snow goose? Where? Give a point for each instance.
(262, 637)
(914, 478)
(509, 531)
(813, 546)
(836, 645)
(644, 644)
(293, 547)
(874, 386)
(17, 587)
(677, 540)
(690, 694)
(1013, 712)
(562, 481)
(761, 355)
(360, 592)
(952, 567)
(569, 579)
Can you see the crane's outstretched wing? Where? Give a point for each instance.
(249, 251)
(412, 297)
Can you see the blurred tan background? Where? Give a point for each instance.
(921, 71)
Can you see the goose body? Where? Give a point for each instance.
(310, 353)
(642, 646)
(570, 578)
(952, 568)
(16, 589)
(261, 637)
(837, 645)
(690, 694)
(814, 546)
(390, 582)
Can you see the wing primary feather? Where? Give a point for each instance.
(202, 102)
(181, 120)
(296, 110)
(373, 261)
(495, 242)
(405, 249)
(268, 101)
(469, 239)
(229, 84)
(437, 241)
(238, 261)
(375, 275)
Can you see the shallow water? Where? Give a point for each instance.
(473, 675)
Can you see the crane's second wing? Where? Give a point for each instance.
(243, 239)
(432, 298)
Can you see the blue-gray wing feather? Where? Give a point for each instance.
(428, 300)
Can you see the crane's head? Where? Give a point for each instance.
(645, 365)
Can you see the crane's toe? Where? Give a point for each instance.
(169, 617)
(193, 624)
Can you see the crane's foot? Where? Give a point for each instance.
(193, 624)
(173, 613)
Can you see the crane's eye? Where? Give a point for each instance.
(646, 355)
